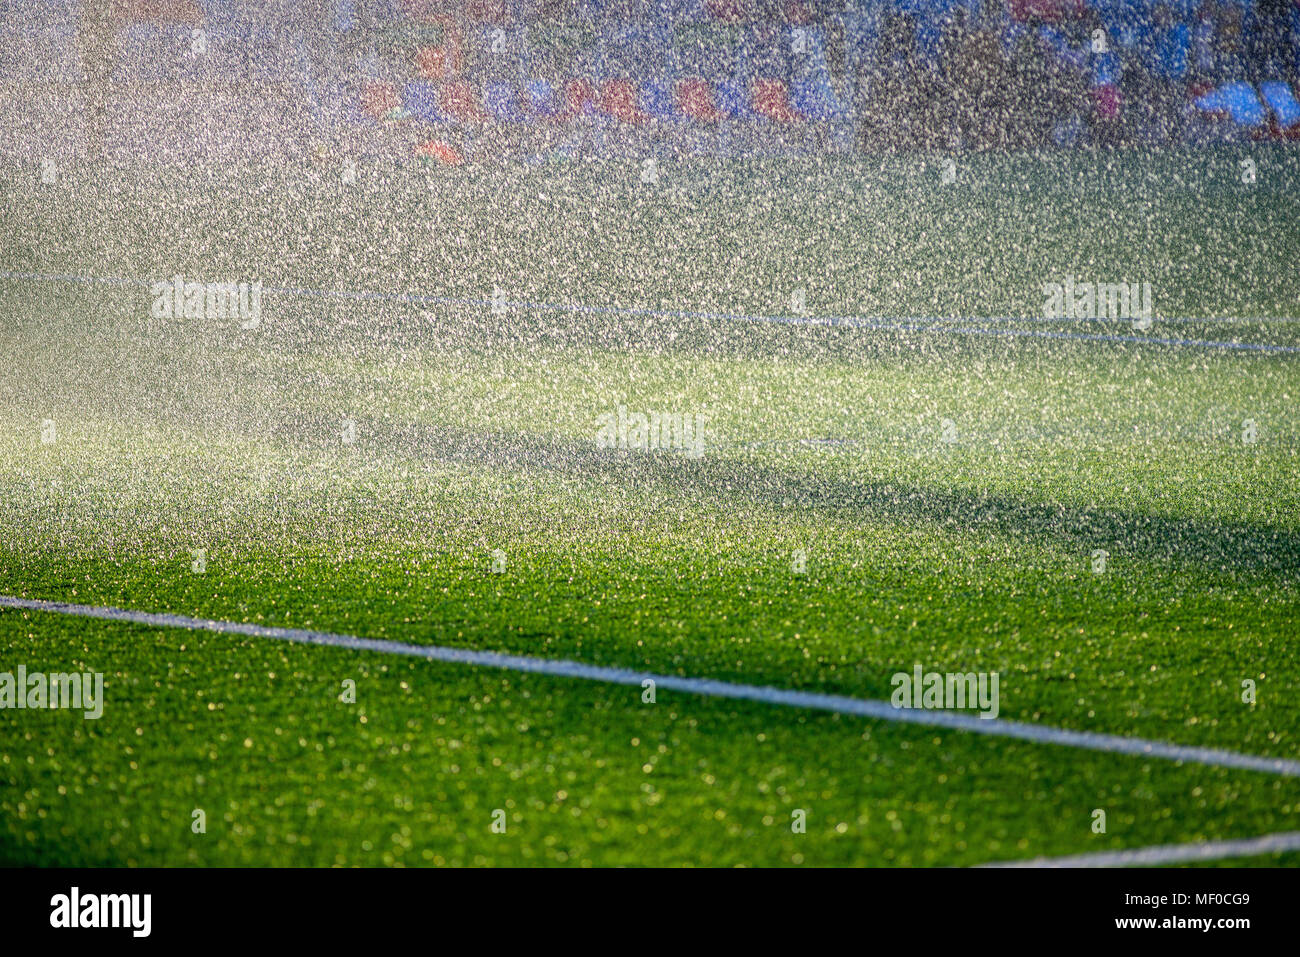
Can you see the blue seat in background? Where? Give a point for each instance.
(1281, 100)
(1239, 101)
(541, 98)
(733, 100)
(502, 101)
(657, 100)
(420, 100)
(814, 99)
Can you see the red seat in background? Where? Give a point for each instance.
(440, 151)
(1107, 100)
(378, 98)
(460, 100)
(580, 98)
(729, 11)
(1049, 11)
(619, 100)
(694, 98)
(772, 100)
(431, 63)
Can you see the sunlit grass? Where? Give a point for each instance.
(475, 432)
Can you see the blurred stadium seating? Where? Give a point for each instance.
(724, 76)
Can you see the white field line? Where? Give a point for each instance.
(974, 326)
(881, 710)
(1169, 853)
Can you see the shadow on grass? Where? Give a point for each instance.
(659, 477)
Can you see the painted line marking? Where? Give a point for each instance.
(882, 710)
(1169, 853)
(949, 324)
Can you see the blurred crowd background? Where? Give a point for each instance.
(546, 80)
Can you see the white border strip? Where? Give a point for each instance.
(882, 710)
(1169, 853)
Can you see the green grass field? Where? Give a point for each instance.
(475, 431)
